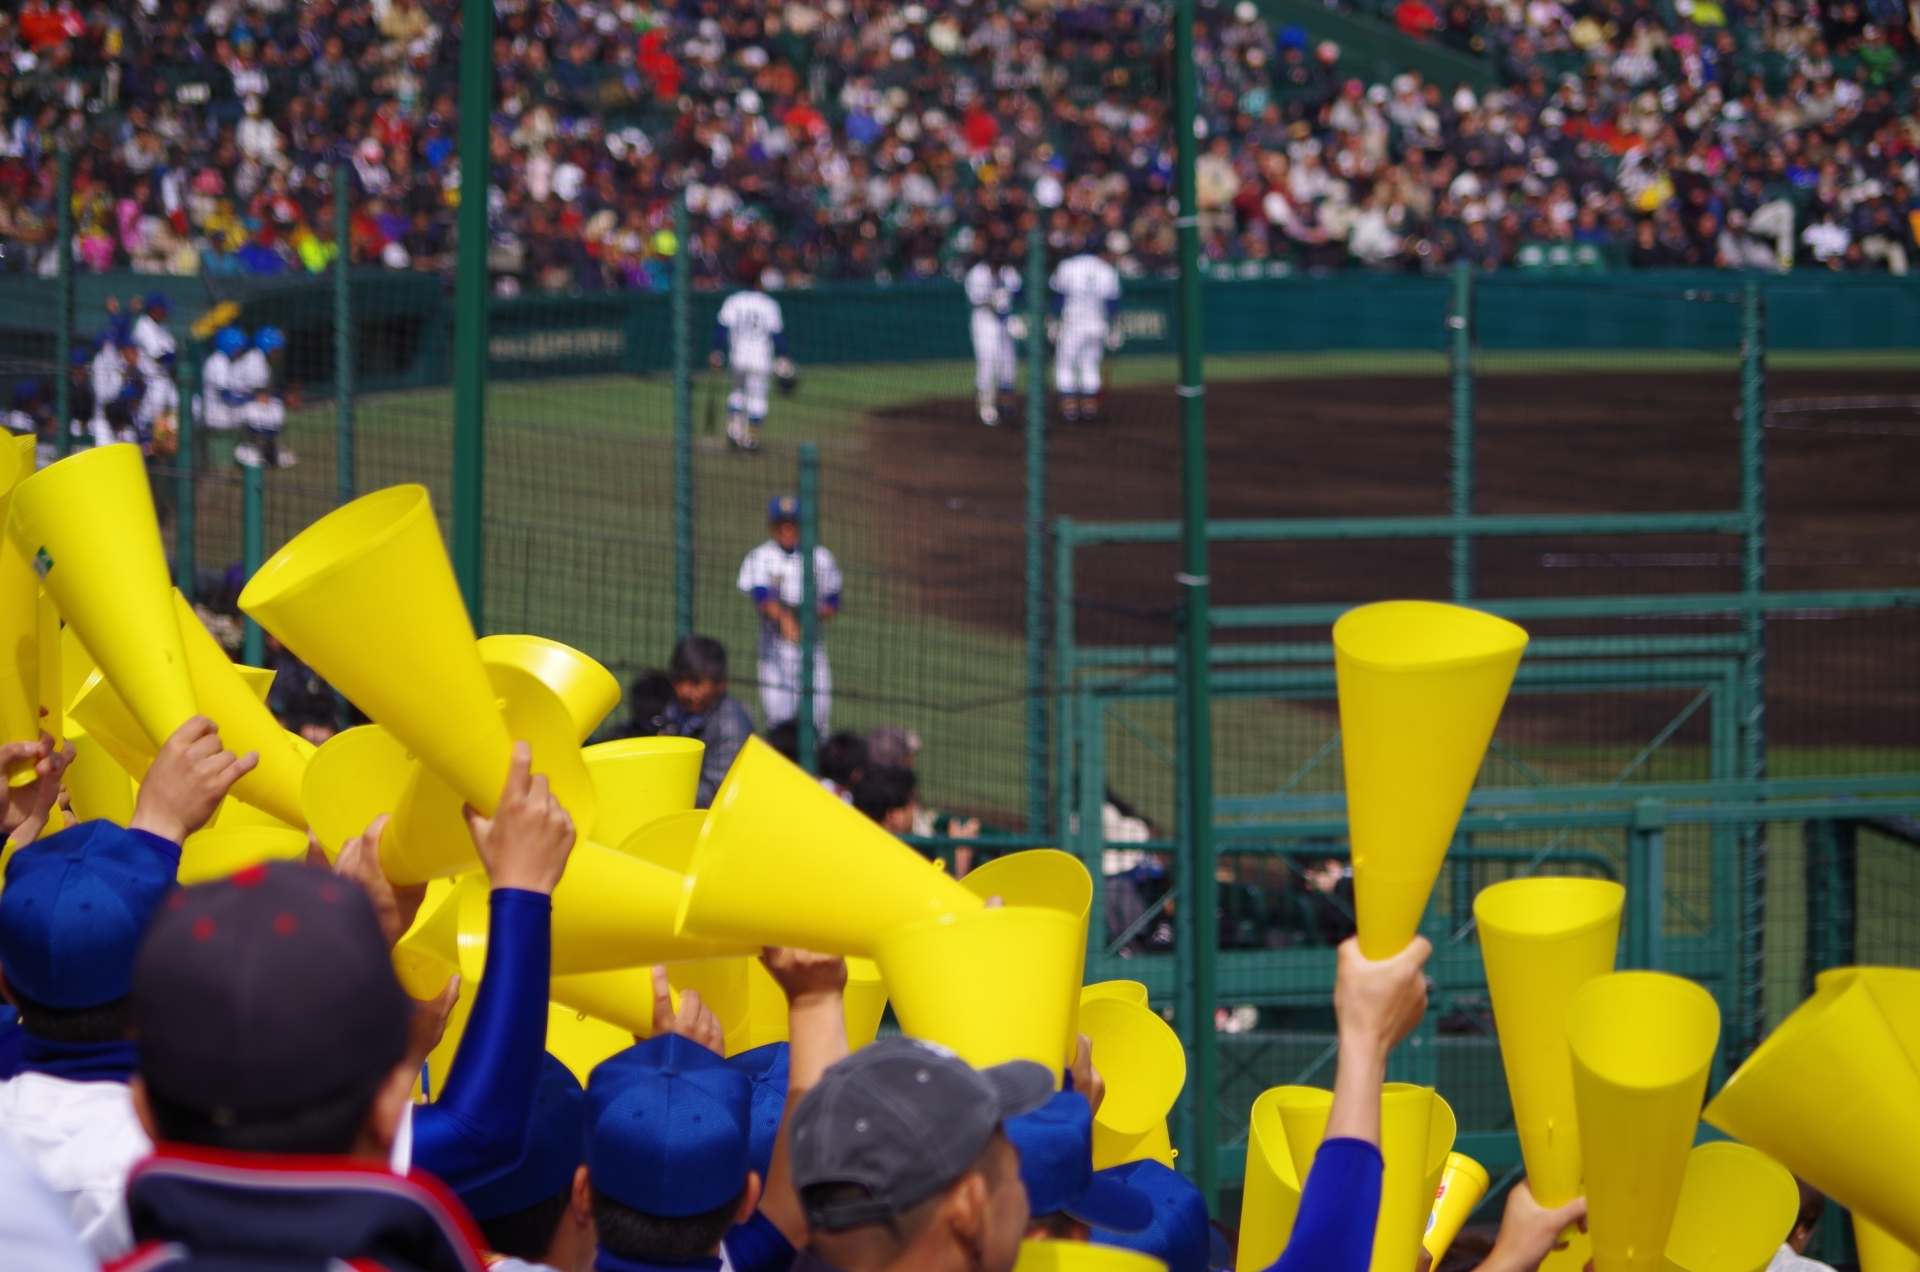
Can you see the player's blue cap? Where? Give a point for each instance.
(268, 339)
(1179, 1235)
(668, 1128)
(230, 340)
(157, 300)
(75, 907)
(1056, 1164)
(768, 1067)
(783, 508)
(555, 1148)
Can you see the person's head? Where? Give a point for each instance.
(893, 747)
(269, 1018)
(650, 694)
(900, 1153)
(1812, 1205)
(669, 1139)
(230, 341)
(75, 907)
(783, 520)
(784, 737)
(158, 305)
(270, 340)
(1067, 1197)
(886, 795)
(843, 758)
(541, 1211)
(698, 670)
(1179, 1234)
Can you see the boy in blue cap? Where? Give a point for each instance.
(1067, 1197)
(539, 1215)
(71, 918)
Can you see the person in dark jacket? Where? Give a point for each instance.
(702, 708)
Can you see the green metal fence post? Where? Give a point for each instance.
(1646, 884)
(1752, 1016)
(1065, 718)
(806, 739)
(1200, 938)
(63, 308)
(682, 422)
(187, 474)
(253, 648)
(1832, 869)
(1460, 323)
(470, 305)
(343, 343)
(1036, 565)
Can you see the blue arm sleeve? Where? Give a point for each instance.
(719, 337)
(477, 1129)
(1113, 310)
(758, 1246)
(832, 603)
(1334, 1229)
(780, 343)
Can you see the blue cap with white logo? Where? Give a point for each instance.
(783, 508)
(668, 1128)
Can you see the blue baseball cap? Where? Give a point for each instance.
(783, 508)
(230, 340)
(668, 1128)
(75, 908)
(268, 339)
(1179, 1235)
(767, 1066)
(1056, 1164)
(556, 1136)
(157, 300)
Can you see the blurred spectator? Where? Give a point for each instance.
(702, 708)
(887, 796)
(650, 695)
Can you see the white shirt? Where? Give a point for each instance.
(155, 342)
(772, 567)
(251, 371)
(1087, 283)
(34, 1232)
(992, 289)
(752, 319)
(265, 417)
(83, 1138)
(1785, 1260)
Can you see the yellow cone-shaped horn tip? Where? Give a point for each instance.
(640, 780)
(993, 985)
(1642, 1045)
(1542, 939)
(588, 689)
(1737, 1207)
(245, 723)
(87, 526)
(1139, 1057)
(1463, 1182)
(1421, 686)
(1127, 990)
(866, 1002)
(1082, 1256)
(781, 861)
(367, 598)
(623, 997)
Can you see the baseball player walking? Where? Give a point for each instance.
(993, 289)
(771, 576)
(1087, 292)
(750, 339)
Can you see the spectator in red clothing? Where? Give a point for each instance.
(1417, 18)
(980, 129)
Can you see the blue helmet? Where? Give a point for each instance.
(231, 341)
(783, 508)
(158, 300)
(269, 339)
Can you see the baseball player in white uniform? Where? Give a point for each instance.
(751, 340)
(771, 576)
(993, 289)
(1087, 290)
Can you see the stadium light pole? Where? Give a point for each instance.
(1198, 934)
(470, 303)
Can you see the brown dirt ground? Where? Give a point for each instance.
(1843, 494)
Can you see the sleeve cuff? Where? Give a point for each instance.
(159, 843)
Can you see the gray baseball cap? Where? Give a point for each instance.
(902, 1118)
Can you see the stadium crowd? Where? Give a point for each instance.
(870, 139)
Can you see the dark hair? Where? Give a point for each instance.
(651, 692)
(635, 1234)
(1468, 1251)
(843, 757)
(327, 1125)
(784, 737)
(1059, 1226)
(881, 790)
(110, 1021)
(528, 1232)
(698, 658)
(1813, 1204)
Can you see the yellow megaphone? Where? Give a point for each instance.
(993, 985)
(1896, 989)
(87, 526)
(1155, 1145)
(354, 777)
(97, 787)
(751, 1007)
(107, 719)
(1642, 1044)
(1082, 1256)
(366, 597)
(780, 861)
(1463, 1182)
(1737, 1207)
(1045, 877)
(579, 1041)
(1270, 1195)
(1834, 1097)
(428, 953)
(1125, 990)
(667, 841)
(640, 780)
(622, 997)
(19, 631)
(1421, 686)
(1141, 1060)
(865, 1001)
(1416, 1134)
(226, 698)
(587, 689)
(51, 675)
(214, 854)
(1542, 939)
(1879, 1250)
